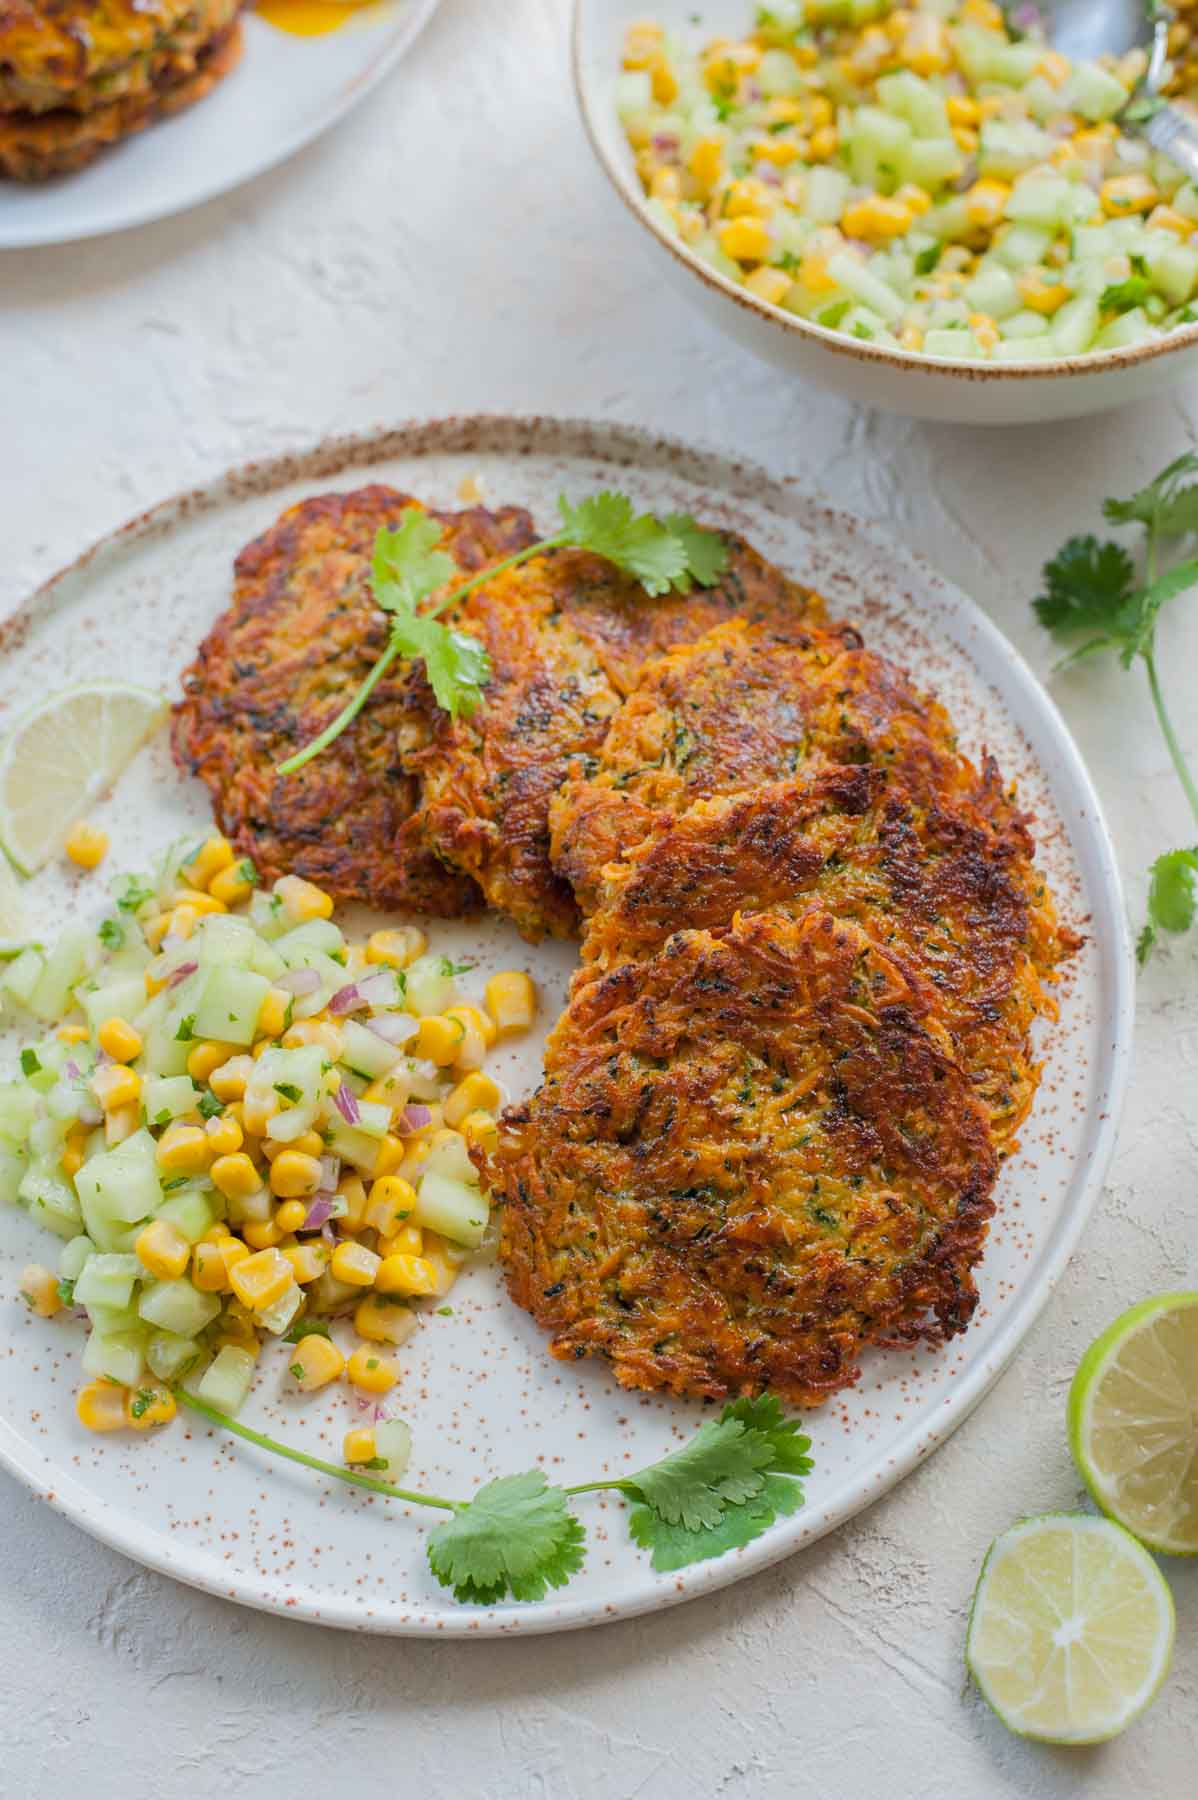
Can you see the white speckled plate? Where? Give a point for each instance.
(285, 91)
(482, 1396)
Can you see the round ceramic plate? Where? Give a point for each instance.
(481, 1394)
(285, 91)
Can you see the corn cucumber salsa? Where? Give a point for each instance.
(244, 1127)
(923, 177)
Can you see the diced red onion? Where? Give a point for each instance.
(346, 1103)
(326, 1234)
(181, 973)
(72, 1069)
(665, 142)
(347, 1000)
(414, 1118)
(330, 1174)
(89, 1113)
(379, 989)
(319, 1213)
(967, 177)
(299, 982)
(394, 1028)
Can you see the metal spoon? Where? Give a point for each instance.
(1086, 28)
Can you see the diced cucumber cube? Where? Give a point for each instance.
(905, 95)
(952, 342)
(122, 998)
(1075, 325)
(119, 1355)
(454, 1208)
(1027, 349)
(827, 193)
(178, 1307)
(1015, 64)
(993, 291)
(22, 975)
(73, 1257)
(169, 1356)
(17, 1107)
(1045, 200)
(393, 1447)
(865, 286)
(110, 1319)
(313, 934)
(1185, 201)
(66, 964)
(877, 147)
(1129, 329)
(1010, 147)
(227, 1380)
(107, 1280)
(222, 938)
(777, 75)
(13, 1164)
(1173, 268)
(366, 1051)
(428, 988)
(351, 1145)
(1027, 324)
(1024, 246)
(230, 1002)
(451, 1157)
(168, 1097)
(278, 1317)
(192, 1211)
(50, 1199)
(122, 1184)
(1093, 92)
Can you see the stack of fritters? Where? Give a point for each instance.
(814, 938)
(78, 75)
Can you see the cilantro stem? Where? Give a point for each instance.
(345, 717)
(216, 1417)
(488, 574)
(1170, 736)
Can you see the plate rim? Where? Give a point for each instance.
(504, 433)
(407, 29)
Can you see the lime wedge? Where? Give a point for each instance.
(14, 928)
(1071, 1630)
(61, 757)
(1133, 1422)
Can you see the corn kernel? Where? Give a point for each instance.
(390, 1090)
(511, 1000)
(228, 1081)
(233, 884)
(315, 1362)
(664, 81)
(984, 329)
(439, 1039)
(823, 143)
(407, 1240)
(877, 217)
(396, 949)
(1041, 295)
(119, 1040)
(986, 201)
(925, 48)
(101, 1406)
(116, 1086)
(911, 338)
(213, 855)
(199, 903)
(391, 1201)
(445, 1267)
(1055, 68)
(294, 1175)
(308, 1261)
(481, 1132)
(744, 240)
(121, 1123)
(149, 1406)
(1123, 195)
(308, 1143)
(233, 1251)
(182, 922)
(963, 109)
(86, 846)
(748, 199)
(72, 1034)
(183, 1150)
(315, 1031)
(261, 1234)
(476, 1092)
(261, 1279)
(163, 1250)
(302, 899)
(355, 1265)
(235, 1176)
(406, 1275)
(916, 199)
(780, 151)
(1164, 218)
(73, 1150)
(224, 1135)
(208, 1271)
(352, 1189)
(770, 285)
(813, 273)
(966, 139)
(359, 1446)
(39, 1290)
(373, 1373)
(290, 1216)
(391, 1154)
(274, 1015)
(383, 1321)
(203, 1059)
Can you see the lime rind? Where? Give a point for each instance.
(1155, 1583)
(1098, 1361)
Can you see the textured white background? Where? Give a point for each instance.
(452, 248)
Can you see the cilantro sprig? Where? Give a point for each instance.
(1094, 592)
(518, 1537)
(408, 569)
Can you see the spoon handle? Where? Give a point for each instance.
(1175, 134)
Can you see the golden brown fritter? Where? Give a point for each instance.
(753, 1155)
(302, 632)
(940, 876)
(567, 635)
(733, 710)
(83, 53)
(34, 146)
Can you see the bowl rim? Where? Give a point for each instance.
(1098, 362)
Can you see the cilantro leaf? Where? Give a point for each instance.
(1125, 296)
(407, 565)
(1172, 898)
(706, 551)
(1089, 586)
(134, 893)
(674, 1547)
(457, 665)
(720, 1466)
(111, 934)
(306, 1328)
(516, 1538)
(636, 542)
(1168, 505)
(30, 1062)
(790, 1444)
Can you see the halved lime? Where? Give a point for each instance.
(1071, 1631)
(59, 759)
(1133, 1422)
(14, 929)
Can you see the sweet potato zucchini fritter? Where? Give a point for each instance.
(301, 634)
(567, 635)
(753, 1155)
